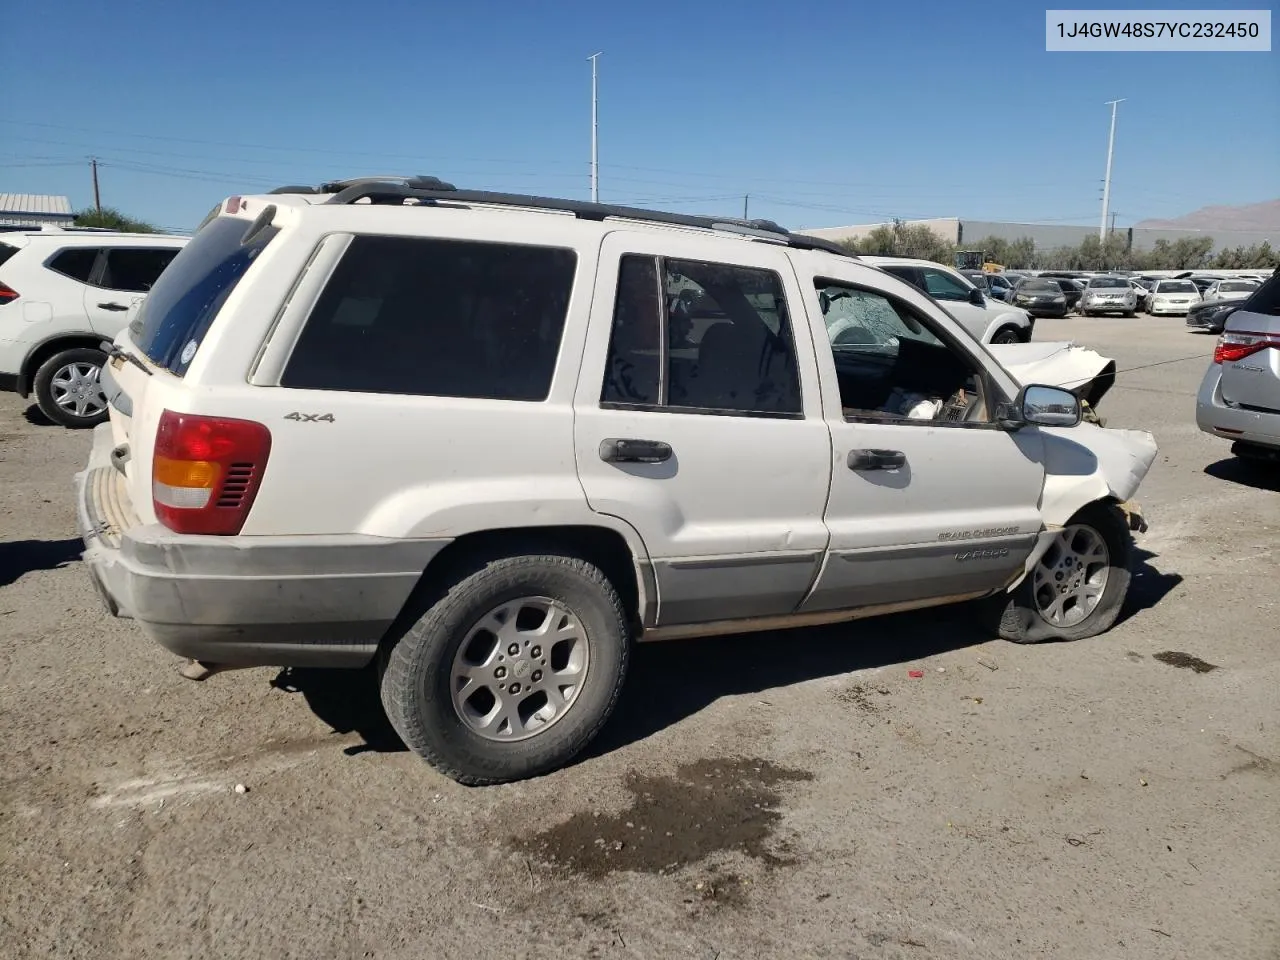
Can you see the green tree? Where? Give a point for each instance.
(112, 219)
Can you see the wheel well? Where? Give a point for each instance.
(46, 350)
(1023, 334)
(600, 546)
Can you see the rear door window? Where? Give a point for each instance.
(75, 262)
(437, 318)
(180, 308)
(135, 269)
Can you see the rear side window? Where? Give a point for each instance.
(178, 311)
(1266, 299)
(75, 262)
(6, 251)
(437, 318)
(134, 269)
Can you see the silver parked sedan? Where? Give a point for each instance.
(1239, 397)
(1108, 295)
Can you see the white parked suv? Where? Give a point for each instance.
(491, 441)
(62, 293)
(988, 320)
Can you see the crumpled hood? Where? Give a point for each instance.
(1086, 373)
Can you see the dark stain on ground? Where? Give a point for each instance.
(1185, 660)
(707, 807)
(1255, 764)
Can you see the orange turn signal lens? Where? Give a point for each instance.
(186, 473)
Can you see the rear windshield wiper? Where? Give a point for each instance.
(115, 353)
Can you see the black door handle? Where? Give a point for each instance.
(876, 459)
(113, 306)
(634, 451)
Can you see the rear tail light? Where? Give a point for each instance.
(206, 472)
(7, 294)
(1236, 346)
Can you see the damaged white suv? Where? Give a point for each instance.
(491, 441)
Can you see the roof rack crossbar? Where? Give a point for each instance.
(432, 190)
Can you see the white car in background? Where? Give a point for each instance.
(1173, 298)
(62, 293)
(987, 320)
(1230, 289)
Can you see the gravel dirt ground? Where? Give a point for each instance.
(794, 795)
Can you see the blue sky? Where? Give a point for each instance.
(825, 112)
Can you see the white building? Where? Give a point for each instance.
(35, 210)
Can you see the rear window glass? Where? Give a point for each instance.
(75, 262)
(178, 311)
(442, 318)
(1266, 299)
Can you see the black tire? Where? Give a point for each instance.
(43, 387)
(1014, 617)
(1007, 335)
(416, 672)
(1130, 313)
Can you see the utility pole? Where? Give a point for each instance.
(1106, 185)
(97, 198)
(746, 202)
(595, 154)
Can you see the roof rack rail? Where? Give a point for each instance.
(335, 186)
(430, 190)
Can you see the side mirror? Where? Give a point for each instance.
(1041, 406)
(976, 298)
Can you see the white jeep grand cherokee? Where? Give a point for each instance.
(491, 441)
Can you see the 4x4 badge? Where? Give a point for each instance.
(310, 417)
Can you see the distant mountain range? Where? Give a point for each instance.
(1250, 217)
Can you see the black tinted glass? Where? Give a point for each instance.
(135, 270)
(75, 262)
(635, 346)
(432, 317)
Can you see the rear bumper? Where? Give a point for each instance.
(1215, 416)
(243, 601)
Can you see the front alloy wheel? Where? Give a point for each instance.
(1070, 578)
(1077, 587)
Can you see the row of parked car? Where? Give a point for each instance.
(1059, 294)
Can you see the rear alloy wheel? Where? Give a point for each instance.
(512, 669)
(1077, 587)
(68, 388)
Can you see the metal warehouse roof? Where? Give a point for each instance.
(35, 203)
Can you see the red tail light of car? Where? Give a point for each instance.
(206, 472)
(1236, 346)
